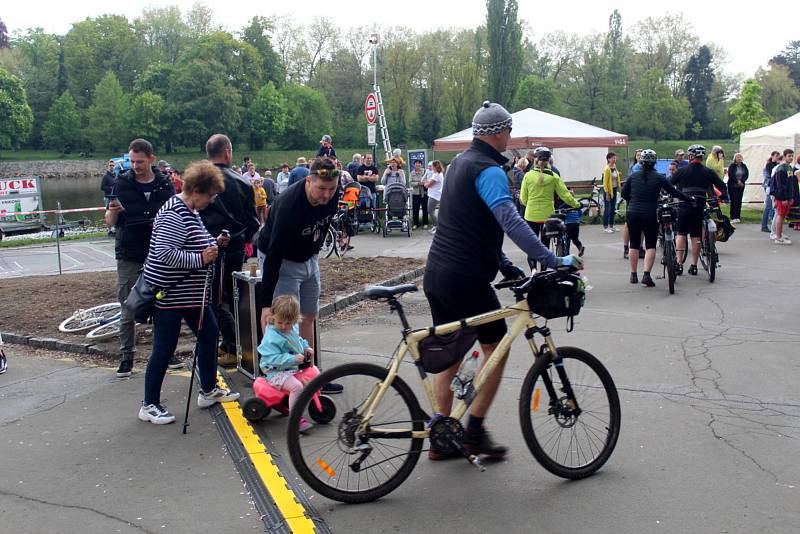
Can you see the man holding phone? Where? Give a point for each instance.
(137, 195)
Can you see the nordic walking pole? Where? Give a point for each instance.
(196, 345)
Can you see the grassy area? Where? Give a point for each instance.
(10, 243)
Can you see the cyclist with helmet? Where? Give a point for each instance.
(466, 255)
(641, 191)
(539, 188)
(694, 180)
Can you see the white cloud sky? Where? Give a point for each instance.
(750, 39)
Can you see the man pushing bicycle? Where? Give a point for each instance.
(477, 209)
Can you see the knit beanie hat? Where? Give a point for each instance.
(490, 119)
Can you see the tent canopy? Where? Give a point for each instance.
(757, 145)
(534, 128)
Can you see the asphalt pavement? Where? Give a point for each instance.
(709, 441)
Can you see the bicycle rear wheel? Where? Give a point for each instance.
(90, 318)
(669, 264)
(341, 465)
(570, 441)
(329, 244)
(105, 331)
(342, 243)
(708, 254)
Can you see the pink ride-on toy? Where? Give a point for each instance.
(321, 411)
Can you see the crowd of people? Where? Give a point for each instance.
(185, 232)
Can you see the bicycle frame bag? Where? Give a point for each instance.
(438, 352)
(555, 294)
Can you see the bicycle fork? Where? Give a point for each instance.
(550, 351)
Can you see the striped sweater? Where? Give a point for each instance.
(176, 248)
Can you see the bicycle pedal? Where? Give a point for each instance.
(474, 460)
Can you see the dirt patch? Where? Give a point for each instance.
(35, 305)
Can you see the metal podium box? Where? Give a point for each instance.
(247, 314)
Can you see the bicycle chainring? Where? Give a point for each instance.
(443, 432)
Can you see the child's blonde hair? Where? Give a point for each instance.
(286, 309)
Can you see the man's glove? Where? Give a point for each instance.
(571, 261)
(511, 271)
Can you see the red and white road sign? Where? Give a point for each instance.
(371, 108)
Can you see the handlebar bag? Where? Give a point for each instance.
(556, 294)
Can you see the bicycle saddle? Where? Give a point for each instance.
(383, 292)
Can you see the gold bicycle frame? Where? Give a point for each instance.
(524, 320)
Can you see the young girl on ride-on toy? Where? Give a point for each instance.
(285, 361)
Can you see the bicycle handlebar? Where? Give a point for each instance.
(522, 284)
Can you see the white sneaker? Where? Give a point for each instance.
(204, 400)
(608, 230)
(156, 414)
(734, 221)
(783, 241)
(773, 237)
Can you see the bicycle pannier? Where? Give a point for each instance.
(439, 352)
(556, 294)
(554, 227)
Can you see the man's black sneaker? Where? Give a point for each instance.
(693, 270)
(581, 251)
(482, 443)
(125, 369)
(175, 363)
(634, 278)
(678, 269)
(332, 389)
(647, 280)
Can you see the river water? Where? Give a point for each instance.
(74, 193)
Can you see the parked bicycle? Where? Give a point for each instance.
(102, 322)
(341, 229)
(593, 211)
(709, 258)
(667, 214)
(568, 406)
(555, 228)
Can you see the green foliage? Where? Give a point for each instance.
(656, 113)
(16, 118)
(538, 93)
(63, 130)
(256, 34)
(748, 112)
(147, 118)
(201, 102)
(505, 50)
(698, 82)
(308, 117)
(790, 58)
(164, 32)
(95, 46)
(3, 35)
(268, 114)
(780, 97)
(108, 116)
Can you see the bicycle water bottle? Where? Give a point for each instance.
(462, 382)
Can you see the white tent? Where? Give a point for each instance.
(579, 149)
(756, 146)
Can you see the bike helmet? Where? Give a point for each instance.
(648, 156)
(542, 153)
(327, 138)
(696, 151)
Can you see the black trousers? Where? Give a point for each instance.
(573, 231)
(223, 304)
(537, 229)
(416, 202)
(736, 194)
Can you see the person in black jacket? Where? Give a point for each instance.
(140, 192)
(737, 178)
(234, 210)
(107, 182)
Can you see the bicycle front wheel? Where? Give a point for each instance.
(708, 254)
(571, 436)
(105, 331)
(669, 264)
(329, 244)
(342, 464)
(90, 318)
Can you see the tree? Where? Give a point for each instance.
(16, 119)
(747, 110)
(200, 20)
(463, 89)
(3, 35)
(615, 52)
(665, 43)
(256, 34)
(268, 114)
(40, 62)
(202, 101)
(657, 113)
(538, 93)
(342, 81)
(63, 127)
(164, 33)
(401, 63)
(505, 50)
(308, 117)
(95, 46)
(108, 115)
(697, 81)
(146, 119)
(780, 97)
(790, 58)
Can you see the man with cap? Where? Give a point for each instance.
(680, 159)
(466, 255)
(326, 149)
(299, 173)
(163, 166)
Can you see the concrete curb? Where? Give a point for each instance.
(340, 304)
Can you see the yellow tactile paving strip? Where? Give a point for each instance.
(290, 508)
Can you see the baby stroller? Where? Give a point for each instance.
(365, 210)
(398, 209)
